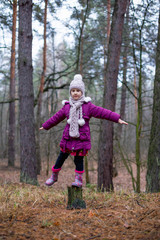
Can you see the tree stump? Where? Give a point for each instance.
(75, 198)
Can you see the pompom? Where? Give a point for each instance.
(87, 99)
(69, 121)
(78, 77)
(63, 102)
(81, 122)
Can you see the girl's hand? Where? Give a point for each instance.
(122, 122)
(41, 128)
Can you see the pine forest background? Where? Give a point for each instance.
(72, 37)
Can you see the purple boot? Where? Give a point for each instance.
(78, 179)
(54, 177)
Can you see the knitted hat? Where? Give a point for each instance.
(77, 82)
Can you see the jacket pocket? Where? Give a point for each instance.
(84, 135)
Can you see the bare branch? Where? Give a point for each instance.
(9, 100)
(128, 89)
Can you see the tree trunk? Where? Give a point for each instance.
(2, 135)
(48, 142)
(39, 104)
(106, 40)
(108, 20)
(153, 164)
(81, 57)
(139, 103)
(11, 134)
(123, 91)
(81, 47)
(105, 163)
(86, 170)
(83, 17)
(26, 104)
(75, 198)
(79, 64)
(125, 62)
(135, 91)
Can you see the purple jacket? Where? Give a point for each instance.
(84, 141)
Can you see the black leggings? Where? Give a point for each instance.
(78, 160)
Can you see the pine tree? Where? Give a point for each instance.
(153, 165)
(26, 115)
(11, 134)
(105, 164)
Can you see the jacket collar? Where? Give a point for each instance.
(86, 99)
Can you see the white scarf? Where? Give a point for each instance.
(75, 116)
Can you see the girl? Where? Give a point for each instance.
(76, 138)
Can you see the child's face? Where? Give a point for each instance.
(76, 93)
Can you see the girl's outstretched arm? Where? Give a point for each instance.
(55, 119)
(122, 122)
(41, 128)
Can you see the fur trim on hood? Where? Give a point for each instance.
(86, 99)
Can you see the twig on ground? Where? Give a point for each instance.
(140, 204)
(93, 237)
(146, 214)
(68, 233)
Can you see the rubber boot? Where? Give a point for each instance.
(54, 177)
(78, 179)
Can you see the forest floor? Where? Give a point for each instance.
(39, 212)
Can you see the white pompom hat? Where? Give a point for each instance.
(78, 83)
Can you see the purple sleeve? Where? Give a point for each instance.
(102, 113)
(55, 119)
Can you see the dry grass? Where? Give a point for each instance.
(30, 212)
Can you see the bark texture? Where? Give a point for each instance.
(39, 104)
(107, 34)
(26, 108)
(105, 164)
(125, 63)
(79, 65)
(11, 134)
(153, 172)
(75, 198)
